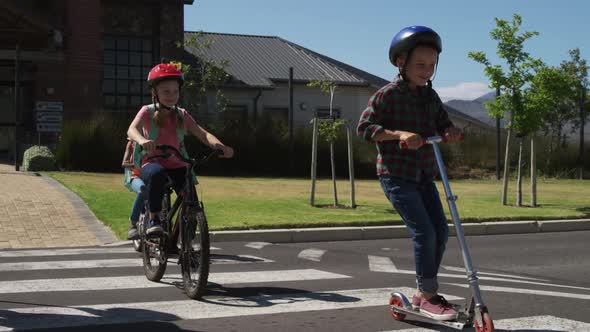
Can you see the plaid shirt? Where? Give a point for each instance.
(396, 107)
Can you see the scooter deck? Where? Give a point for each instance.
(460, 323)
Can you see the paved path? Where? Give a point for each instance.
(38, 212)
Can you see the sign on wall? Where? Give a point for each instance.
(49, 116)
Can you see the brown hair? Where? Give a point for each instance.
(159, 118)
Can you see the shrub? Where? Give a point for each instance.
(38, 158)
(96, 144)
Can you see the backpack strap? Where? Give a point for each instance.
(138, 152)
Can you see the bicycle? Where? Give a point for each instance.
(189, 234)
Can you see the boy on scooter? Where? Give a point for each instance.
(409, 110)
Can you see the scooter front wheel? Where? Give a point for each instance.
(486, 324)
(396, 301)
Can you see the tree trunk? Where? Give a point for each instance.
(533, 174)
(506, 168)
(519, 175)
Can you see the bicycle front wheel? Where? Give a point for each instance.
(195, 252)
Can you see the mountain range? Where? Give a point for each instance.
(476, 109)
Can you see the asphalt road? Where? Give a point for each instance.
(530, 282)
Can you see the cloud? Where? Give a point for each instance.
(463, 90)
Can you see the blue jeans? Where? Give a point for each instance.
(420, 207)
(137, 185)
(155, 177)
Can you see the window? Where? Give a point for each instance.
(324, 112)
(277, 113)
(277, 117)
(126, 62)
(235, 113)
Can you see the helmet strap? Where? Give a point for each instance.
(160, 105)
(406, 61)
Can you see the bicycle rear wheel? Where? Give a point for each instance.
(195, 252)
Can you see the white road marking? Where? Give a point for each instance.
(312, 254)
(381, 264)
(458, 276)
(122, 262)
(55, 316)
(526, 291)
(129, 282)
(63, 265)
(65, 252)
(534, 323)
(257, 245)
(462, 269)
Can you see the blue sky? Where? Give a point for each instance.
(359, 34)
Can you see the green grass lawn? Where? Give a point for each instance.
(249, 203)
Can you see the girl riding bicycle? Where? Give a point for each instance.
(163, 122)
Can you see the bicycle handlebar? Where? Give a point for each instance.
(193, 162)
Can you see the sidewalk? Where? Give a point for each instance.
(392, 232)
(38, 212)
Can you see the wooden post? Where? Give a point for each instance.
(350, 166)
(519, 174)
(533, 174)
(314, 159)
(291, 144)
(16, 107)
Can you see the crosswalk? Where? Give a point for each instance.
(57, 288)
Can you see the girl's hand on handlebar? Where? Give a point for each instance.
(148, 145)
(228, 152)
(452, 135)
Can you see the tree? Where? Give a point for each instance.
(520, 70)
(578, 67)
(203, 74)
(329, 129)
(549, 93)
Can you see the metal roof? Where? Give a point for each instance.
(262, 60)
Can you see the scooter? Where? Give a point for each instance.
(475, 312)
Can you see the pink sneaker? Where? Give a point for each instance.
(437, 308)
(416, 301)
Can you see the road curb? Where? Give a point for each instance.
(320, 234)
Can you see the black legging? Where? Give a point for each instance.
(155, 177)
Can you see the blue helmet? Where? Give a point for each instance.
(410, 37)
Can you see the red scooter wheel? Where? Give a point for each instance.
(395, 301)
(486, 325)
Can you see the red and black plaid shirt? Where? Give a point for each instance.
(396, 107)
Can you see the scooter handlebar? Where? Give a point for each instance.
(430, 140)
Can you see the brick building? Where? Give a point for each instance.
(76, 57)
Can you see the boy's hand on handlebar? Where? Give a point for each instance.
(148, 145)
(453, 134)
(411, 141)
(228, 152)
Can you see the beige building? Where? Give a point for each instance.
(259, 70)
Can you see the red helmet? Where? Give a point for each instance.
(164, 71)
